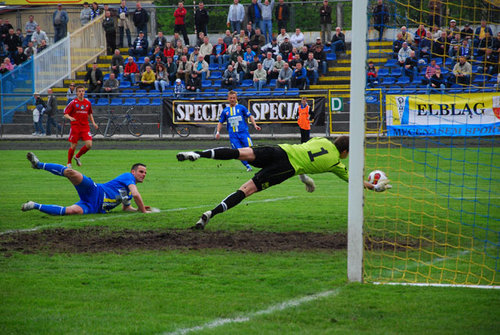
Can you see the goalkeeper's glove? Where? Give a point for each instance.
(382, 185)
(308, 181)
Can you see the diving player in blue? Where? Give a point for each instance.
(94, 198)
(236, 117)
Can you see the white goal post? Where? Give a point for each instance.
(356, 142)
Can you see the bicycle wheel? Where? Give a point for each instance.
(135, 127)
(107, 127)
(183, 131)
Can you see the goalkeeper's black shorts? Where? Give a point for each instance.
(276, 167)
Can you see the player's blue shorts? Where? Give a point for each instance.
(91, 196)
(240, 140)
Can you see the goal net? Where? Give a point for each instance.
(440, 223)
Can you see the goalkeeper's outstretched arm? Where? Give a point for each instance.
(381, 186)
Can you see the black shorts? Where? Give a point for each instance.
(276, 167)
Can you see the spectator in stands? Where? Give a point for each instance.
(158, 53)
(430, 70)
(481, 32)
(462, 72)
(184, 68)
(229, 78)
(410, 68)
(30, 49)
(436, 32)
(3, 69)
(200, 39)
(284, 79)
(371, 75)
(407, 36)
(397, 44)
(325, 21)
(259, 77)
(179, 24)
(108, 24)
(8, 64)
(425, 46)
(320, 55)
(441, 45)
(169, 51)
(51, 111)
(228, 38)
(281, 37)
(489, 64)
(311, 65)
(297, 39)
(434, 18)
(60, 20)
(252, 66)
(176, 38)
(139, 47)
(158, 59)
(455, 44)
(70, 93)
(38, 111)
(420, 34)
(85, 14)
(277, 66)
(267, 65)
(206, 49)
(282, 14)
(131, 70)
(19, 34)
(272, 47)
(42, 46)
(484, 44)
(464, 49)
(257, 41)
(403, 53)
(181, 50)
(254, 14)
(452, 29)
(148, 79)
(171, 68)
(249, 32)
(147, 62)
(110, 86)
(231, 48)
(266, 24)
(193, 85)
(124, 24)
(96, 11)
(238, 53)
(194, 55)
(295, 60)
(240, 66)
(249, 55)
(179, 89)
(218, 52)
(4, 29)
(12, 41)
(338, 41)
(161, 81)
(437, 81)
(201, 68)
(160, 41)
(94, 79)
(235, 16)
(30, 28)
(304, 53)
(286, 47)
(380, 18)
(141, 18)
(467, 32)
(299, 77)
(201, 18)
(19, 56)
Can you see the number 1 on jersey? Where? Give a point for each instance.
(316, 154)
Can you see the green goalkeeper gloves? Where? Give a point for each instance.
(382, 185)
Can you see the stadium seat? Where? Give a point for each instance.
(156, 102)
(217, 83)
(371, 99)
(272, 83)
(331, 56)
(444, 70)
(92, 101)
(140, 93)
(208, 93)
(125, 84)
(102, 102)
(383, 72)
(167, 93)
(403, 81)
(222, 92)
(238, 91)
(439, 61)
(278, 92)
(265, 92)
(116, 102)
(292, 92)
(251, 91)
(216, 75)
(213, 67)
(129, 102)
(388, 81)
(394, 91)
(154, 93)
(206, 83)
(143, 102)
(327, 49)
(246, 83)
(479, 79)
(449, 62)
(396, 72)
(391, 63)
(105, 77)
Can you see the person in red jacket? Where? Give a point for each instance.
(79, 111)
(130, 70)
(180, 26)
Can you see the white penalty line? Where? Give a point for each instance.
(110, 216)
(247, 317)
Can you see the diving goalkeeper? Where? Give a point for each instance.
(279, 163)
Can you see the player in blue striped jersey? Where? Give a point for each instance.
(236, 115)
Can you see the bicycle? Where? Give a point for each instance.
(109, 125)
(181, 130)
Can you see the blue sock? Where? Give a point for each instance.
(51, 209)
(56, 169)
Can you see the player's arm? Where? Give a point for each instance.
(91, 116)
(252, 119)
(138, 201)
(219, 128)
(381, 186)
(67, 111)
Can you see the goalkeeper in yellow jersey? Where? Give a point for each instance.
(279, 163)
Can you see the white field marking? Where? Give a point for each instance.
(245, 318)
(493, 287)
(111, 216)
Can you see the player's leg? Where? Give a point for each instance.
(73, 176)
(246, 154)
(88, 145)
(73, 140)
(245, 141)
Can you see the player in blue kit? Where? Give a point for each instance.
(236, 118)
(94, 198)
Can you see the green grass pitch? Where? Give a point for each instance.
(208, 291)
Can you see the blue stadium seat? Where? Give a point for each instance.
(327, 49)
(272, 83)
(92, 101)
(143, 102)
(206, 83)
(403, 81)
(396, 72)
(383, 72)
(278, 92)
(251, 91)
(216, 75)
(140, 93)
(102, 102)
(292, 92)
(371, 99)
(439, 61)
(168, 93)
(388, 81)
(479, 79)
(217, 83)
(154, 93)
(331, 56)
(394, 91)
(116, 102)
(208, 93)
(222, 92)
(156, 102)
(129, 102)
(125, 84)
(391, 63)
(265, 92)
(213, 67)
(246, 83)
(445, 70)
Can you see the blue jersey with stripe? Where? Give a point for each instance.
(116, 191)
(236, 118)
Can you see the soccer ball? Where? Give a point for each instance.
(375, 176)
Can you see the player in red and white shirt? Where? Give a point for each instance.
(79, 111)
